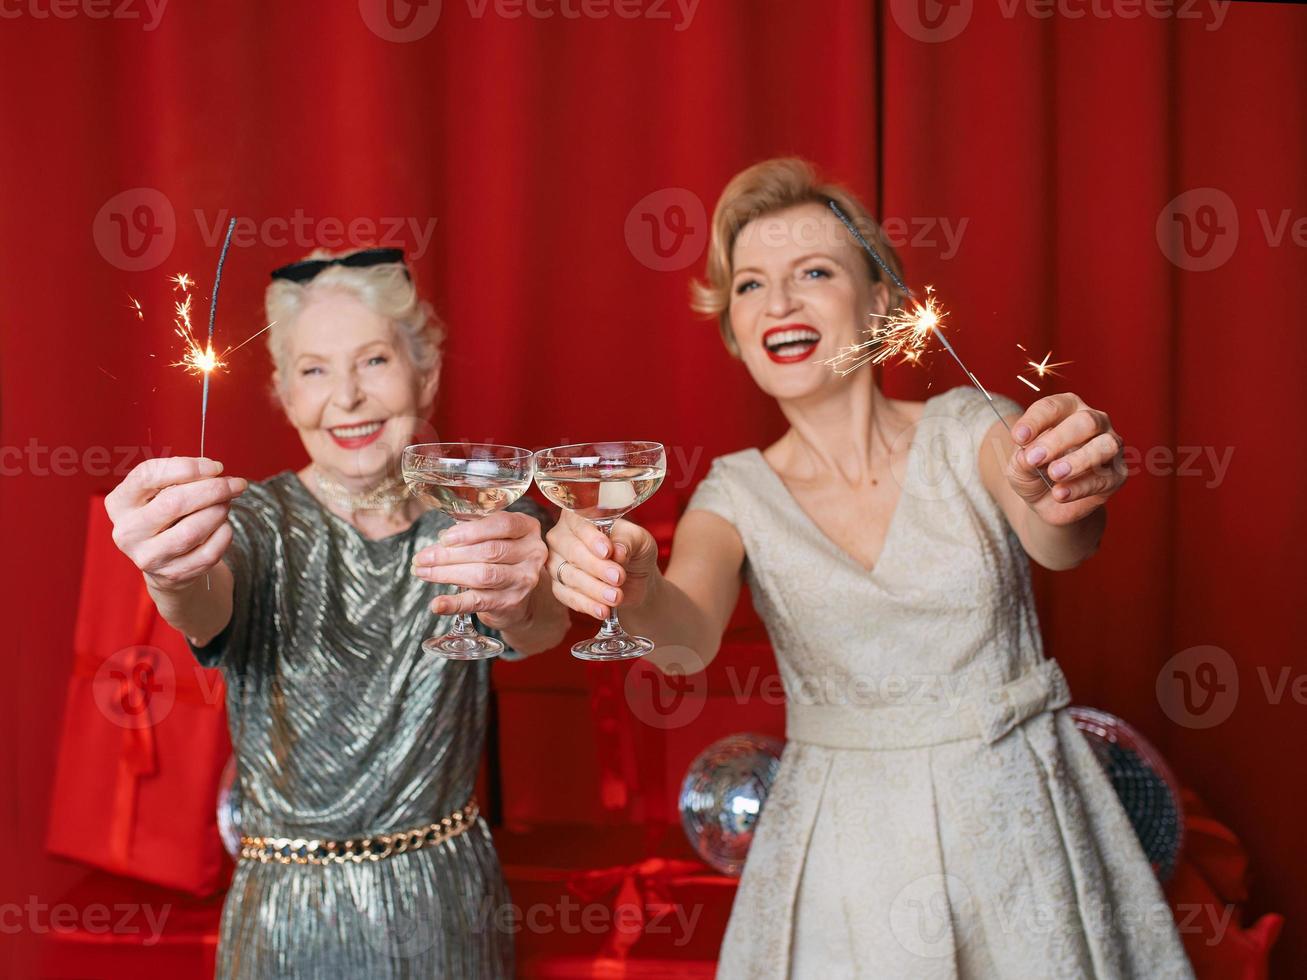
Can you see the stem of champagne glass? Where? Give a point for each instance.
(611, 626)
(462, 625)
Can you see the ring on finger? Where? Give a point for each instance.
(558, 572)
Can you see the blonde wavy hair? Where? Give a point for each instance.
(386, 289)
(765, 188)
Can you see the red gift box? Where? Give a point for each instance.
(144, 737)
(626, 732)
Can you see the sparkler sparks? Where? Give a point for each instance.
(905, 332)
(195, 360)
(135, 306)
(1041, 368)
(916, 325)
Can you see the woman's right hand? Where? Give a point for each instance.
(599, 572)
(170, 518)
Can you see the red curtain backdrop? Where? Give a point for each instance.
(550, 176)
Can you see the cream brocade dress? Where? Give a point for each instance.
(936, 815)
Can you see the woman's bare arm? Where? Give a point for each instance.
(684, 611)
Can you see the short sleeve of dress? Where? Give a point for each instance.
(250, 556)
(970, 416)
(713, 493)
(974, 412)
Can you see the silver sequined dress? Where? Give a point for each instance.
(342, 727)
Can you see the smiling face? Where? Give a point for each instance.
(350, 388)
(800, 292)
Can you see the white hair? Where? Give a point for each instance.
(385, 289)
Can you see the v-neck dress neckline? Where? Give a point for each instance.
(895, 517)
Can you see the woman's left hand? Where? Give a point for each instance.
(1077, 448)
(497, 559)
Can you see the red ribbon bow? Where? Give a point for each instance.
(641, 889)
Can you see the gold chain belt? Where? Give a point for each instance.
(286, 850)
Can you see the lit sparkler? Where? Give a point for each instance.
(903, 333)
(906, 330)
(195, 360)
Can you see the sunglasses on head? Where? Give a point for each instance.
(307, 269)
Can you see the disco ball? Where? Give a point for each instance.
(723, 794)
(1144, 782)
(229, 812)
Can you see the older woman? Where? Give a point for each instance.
(936, 814)
(301, 589)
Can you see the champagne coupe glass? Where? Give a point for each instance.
(467, 481)
(601, 481)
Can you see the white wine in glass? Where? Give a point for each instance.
(600, 482)
(467, 481)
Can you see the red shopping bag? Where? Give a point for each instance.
(144, 737)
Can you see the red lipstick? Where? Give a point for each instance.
(791, 343)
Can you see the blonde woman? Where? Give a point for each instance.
(936, 813)
(349, 740)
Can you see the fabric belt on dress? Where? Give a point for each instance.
(932, 718)
(285, 850)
